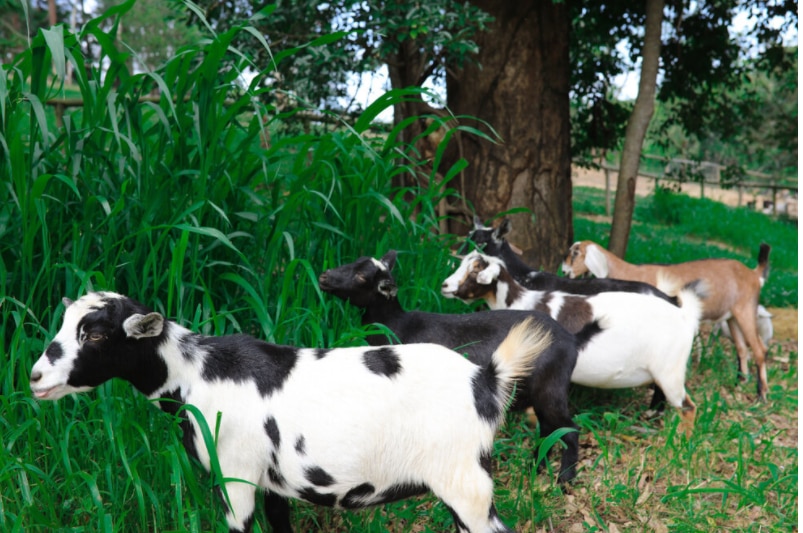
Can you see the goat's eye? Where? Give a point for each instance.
(95, 337)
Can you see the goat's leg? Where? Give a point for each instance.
(469, 498)
(551, 421)
(277, 510)
(687, 414)
(658, 399)
(746, 321)
(239, 506)
(676, 396)
(741, 348)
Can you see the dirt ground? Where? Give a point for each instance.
(784, 321)
(585, 177)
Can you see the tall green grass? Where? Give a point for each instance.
(182, 204)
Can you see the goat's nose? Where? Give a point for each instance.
(36, 376)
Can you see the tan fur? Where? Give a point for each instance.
(732, 291)
(517, 353)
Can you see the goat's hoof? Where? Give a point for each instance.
(566, 477)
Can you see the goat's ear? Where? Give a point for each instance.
(389, 259)
(595, 261)
(487, 276)
(140, 326)
(66, 301)
(387, 288)
(478, 223)
(503, 229)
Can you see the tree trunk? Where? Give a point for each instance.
(521, 89)
(636, 130)
(52, 14)
(406, 68)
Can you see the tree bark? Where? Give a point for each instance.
(636, 130)
(520, 86)
(52, 13)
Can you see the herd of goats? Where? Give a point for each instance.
(361, 426)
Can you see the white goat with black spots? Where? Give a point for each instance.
(347, 428)
(624, 339)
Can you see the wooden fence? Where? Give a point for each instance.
(708, 174)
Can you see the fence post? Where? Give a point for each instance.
(60, 115)
(607, 192)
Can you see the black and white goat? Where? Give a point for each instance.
(348, 427)
(368, 284)
(491, 241)
(624, 339)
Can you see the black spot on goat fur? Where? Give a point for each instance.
(272, 429)
(241, 358)
(276, 477)
(484, 385)
(54, 352)
(313, 496)
(588, 332)
(301, 445)
(486, 462)
(399, 492)
(320, 353)
(318, 476)
(383, 361)
(358, 497)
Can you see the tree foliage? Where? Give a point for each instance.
(761, 114)
(706, 68)
(417, 40)
(153, 30)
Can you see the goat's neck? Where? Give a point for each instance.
(620, 269)
(382, 310)
(508, 294)
(518, 268)
(181, 368)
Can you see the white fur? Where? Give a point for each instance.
(420, 425)
(644, 339)
(732, 293)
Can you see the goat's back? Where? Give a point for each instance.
(727, 282)
(643, 335)
(475, 334)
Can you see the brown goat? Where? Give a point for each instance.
(732, 291)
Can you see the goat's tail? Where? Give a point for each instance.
(691, 297)
(516, 356)
(763, 267)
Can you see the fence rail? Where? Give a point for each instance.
(709, 174)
